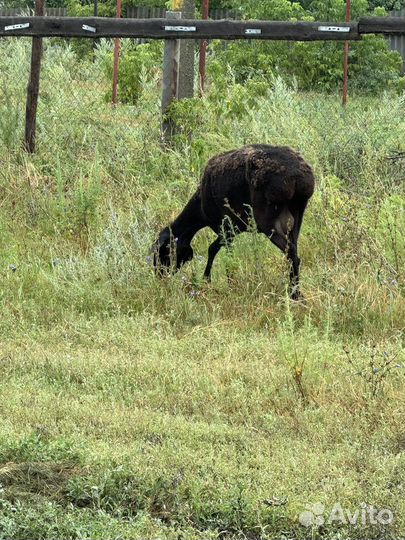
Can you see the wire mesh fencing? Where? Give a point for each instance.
(14, 71)
(49, 11)
(75, 114)
(76, 83)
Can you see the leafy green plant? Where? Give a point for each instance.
(135, 61)
(314, 66)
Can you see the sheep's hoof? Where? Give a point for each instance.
(300, 300)
(297, 296)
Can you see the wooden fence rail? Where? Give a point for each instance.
(382, 25)
(92, 27)
(96, 27)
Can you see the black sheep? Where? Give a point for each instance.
(272, 182)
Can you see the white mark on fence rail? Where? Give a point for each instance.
(180, 28)
(334, 28)
(251, 31)
(89, 28)
(16, 26)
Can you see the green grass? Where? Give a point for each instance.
(133, 407)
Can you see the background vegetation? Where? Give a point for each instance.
(132, 407)
(313, 66)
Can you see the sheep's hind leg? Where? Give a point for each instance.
(297, 211)
(280, 231)
(285, 244)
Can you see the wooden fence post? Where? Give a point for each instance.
(171, 58)
(187, 54)
(203, 49)
(33, 86)
(95, 41)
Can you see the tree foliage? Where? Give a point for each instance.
(388, 5)
(313, 65)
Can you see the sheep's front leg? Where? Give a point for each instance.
(212, 253)
(222, 240)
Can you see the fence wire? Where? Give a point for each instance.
(75, 116)
(76, 86)
(15, 56)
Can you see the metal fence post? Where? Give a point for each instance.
(171, 59)
(346, 56)
(116, 60)
(33, 86)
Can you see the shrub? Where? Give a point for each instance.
(135, 61)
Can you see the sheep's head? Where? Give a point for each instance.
(170, 253)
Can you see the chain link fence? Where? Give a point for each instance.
(76, 82)
(49, 11)
(133, 12)
(75, 114)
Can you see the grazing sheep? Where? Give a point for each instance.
(273, 182)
